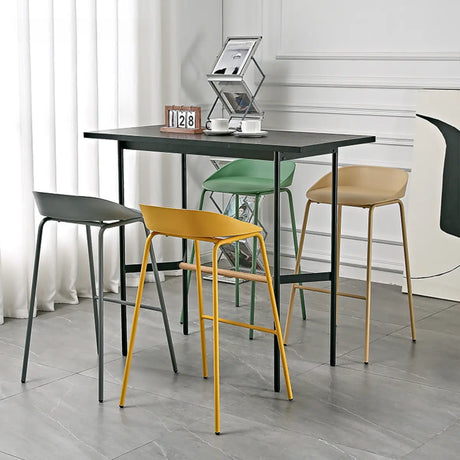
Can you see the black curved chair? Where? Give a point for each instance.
(92, 212)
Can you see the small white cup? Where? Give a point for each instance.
(251, 126)
(217, 124)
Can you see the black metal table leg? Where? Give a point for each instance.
(184, 249)
(334, 273)
(276, 258)
(121, 200)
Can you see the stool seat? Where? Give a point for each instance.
(248, 177)
(82, 208)
(349, 195)
(361, 186)
(193, 224)
(240, 184)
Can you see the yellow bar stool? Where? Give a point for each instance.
(219, 230)
(366, 187)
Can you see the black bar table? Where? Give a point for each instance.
(277, 146)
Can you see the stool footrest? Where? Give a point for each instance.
(237, 323)
(226, 273)
(131, 304)
(161, 266)
(327, 291)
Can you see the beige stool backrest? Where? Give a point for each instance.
(392, 180)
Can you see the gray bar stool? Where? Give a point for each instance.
(91, 212)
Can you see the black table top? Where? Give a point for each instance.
(290, 144)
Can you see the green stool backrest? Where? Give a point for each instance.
(243, 170)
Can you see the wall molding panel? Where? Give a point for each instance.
(334, 81)
(311, 161)
(345, 236)
(442, 56)
(345, 261)
(343, 109)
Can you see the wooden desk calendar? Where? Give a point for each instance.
(181, 119)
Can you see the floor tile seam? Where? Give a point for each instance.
(316, 438)
(317, 365)
(11, 455)
(344, 310)
(433, 437)
(106, 361)
(374, 340)
(387, 334)
(165, 397)
(365, 420)
(421, 328)
(418, 328)
(373, 320)
(202, 440)
(40, 386)
(342, 408)
(429, 315)
(151, 441)
(398, 379)
(132, 450)
(273, 424)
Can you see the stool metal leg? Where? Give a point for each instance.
(297, 269)
(199, 282)
(33, 292)
(192, 253)
(137, 308)
(237, 253)
(215, 323)
(93, 282)
(254, 266)
(162, 304)
(408, 278)
(296, 246)
(101, 313)
(279, 335)
(368, 286)
(339, 234)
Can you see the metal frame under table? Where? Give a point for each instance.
(277, 146)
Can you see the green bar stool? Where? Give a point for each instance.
(246, 177)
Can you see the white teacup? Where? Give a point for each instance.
(250, 126)
(217, 124)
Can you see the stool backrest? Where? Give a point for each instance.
(192, 224)
(81, 208)
(393, 180)
(258, 169)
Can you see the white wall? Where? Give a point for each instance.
(197, 35)
(350, 67)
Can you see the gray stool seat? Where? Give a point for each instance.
(73, 208)
(104, 214)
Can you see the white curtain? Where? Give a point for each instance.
(70, 66)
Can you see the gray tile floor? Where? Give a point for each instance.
(404, 404)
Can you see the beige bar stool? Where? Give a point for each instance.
(363, 187)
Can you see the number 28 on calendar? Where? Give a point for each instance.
(180, 118)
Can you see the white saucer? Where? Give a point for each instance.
(255, 134)
(215, 132)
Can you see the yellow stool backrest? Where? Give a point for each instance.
(192, 224)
